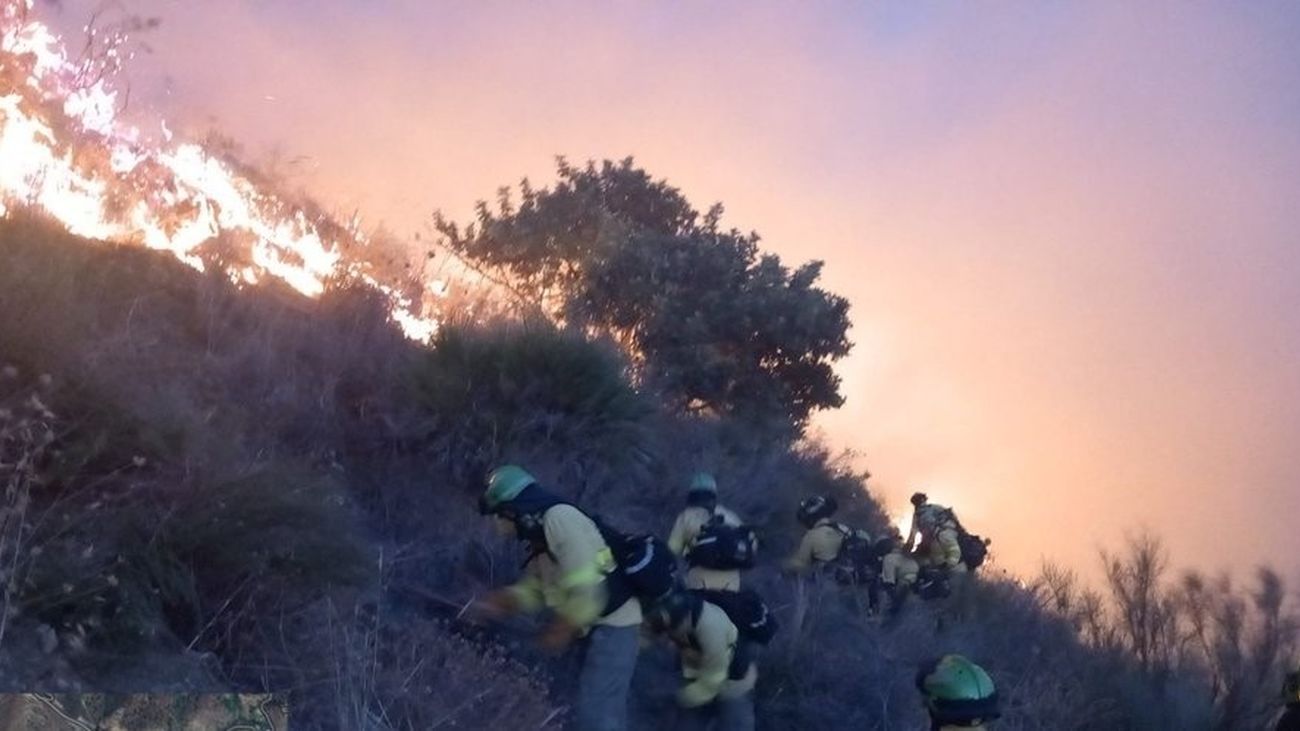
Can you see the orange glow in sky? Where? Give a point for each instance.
(1068, 230)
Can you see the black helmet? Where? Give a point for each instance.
(670, 609)
(815, 508)
(884, 546)
(1291, 688)
(919, 499)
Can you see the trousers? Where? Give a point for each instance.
(605, 678)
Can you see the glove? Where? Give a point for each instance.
(694, 695)
(494, 607)
(558, 635)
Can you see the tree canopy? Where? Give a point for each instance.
(710, 320)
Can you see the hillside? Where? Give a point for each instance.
(242, 445)
(236, 488)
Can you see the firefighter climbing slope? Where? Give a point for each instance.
(1290, 720)
(851, 556)
(593, 582)
(899, 570)
(716, 634)
(715, 543)
(821, 543)
(945, 542)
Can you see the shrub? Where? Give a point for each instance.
(490, 391)
(27, 431)
(714, 324)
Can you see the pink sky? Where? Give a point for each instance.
(1068, 231)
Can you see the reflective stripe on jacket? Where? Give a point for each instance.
(570, 576)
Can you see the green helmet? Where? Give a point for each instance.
(957, 691)
(504, 484)
(703, 482)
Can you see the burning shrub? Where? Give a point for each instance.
(68, 156)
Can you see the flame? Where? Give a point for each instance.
(63, 151)
(902, 523)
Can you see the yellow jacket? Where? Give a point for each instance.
(943, 549)
(708, 646)
(938, 533)
(898, 568)
(569, 577)
(925, 520)
(685, 529)
(821, 543)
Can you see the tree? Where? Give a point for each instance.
(1242, 643)
(1207, 653)
(709, 320)
(1147, 621)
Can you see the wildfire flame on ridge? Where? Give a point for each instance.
(64, 151)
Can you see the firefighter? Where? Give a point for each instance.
(898, 571)
(567, 574)
(822, 541)
(1290, 720)
(940, 545)
(957, 693)
(701, 508)
(717, 663)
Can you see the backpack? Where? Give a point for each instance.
(723, 547)
(645, 563)
(932, 583)
(745, 608)
(974, 549)
(857, 562)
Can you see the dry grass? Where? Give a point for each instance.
(221, 471)
(27, 430)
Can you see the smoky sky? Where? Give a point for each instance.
(1068, 230)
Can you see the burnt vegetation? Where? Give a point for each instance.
(210, 487)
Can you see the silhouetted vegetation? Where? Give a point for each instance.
(711, 322)
(1185, 652)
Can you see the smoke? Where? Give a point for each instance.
(1067, 230)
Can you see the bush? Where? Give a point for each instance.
(179, 497)
(714, 324)
(492, 391)
(225, 554)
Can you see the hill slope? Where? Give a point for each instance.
(245, 489)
